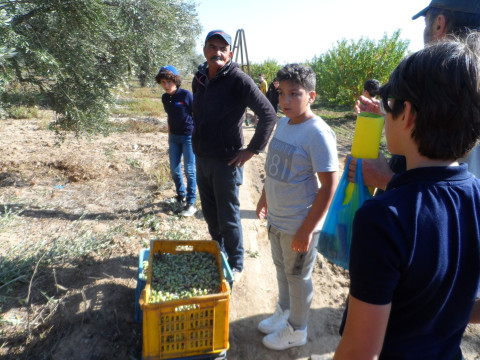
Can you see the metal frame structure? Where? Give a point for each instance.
(239, 46)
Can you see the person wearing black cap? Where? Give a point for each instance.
(443, 19)
(221, 94)
(414, 262)
(420, 323)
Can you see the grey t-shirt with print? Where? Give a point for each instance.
(295, 154)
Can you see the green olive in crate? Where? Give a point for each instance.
(182, 276)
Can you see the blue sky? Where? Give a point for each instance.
(297, 30)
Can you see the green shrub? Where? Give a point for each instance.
(342, 70)
(269, 68)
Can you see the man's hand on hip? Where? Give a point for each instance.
(242, 157)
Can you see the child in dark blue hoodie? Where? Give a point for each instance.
(178, 106)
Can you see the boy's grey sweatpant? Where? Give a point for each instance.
(294, 270)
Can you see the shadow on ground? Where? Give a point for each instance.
(90, 317)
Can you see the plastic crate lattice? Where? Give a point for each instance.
(186, 327)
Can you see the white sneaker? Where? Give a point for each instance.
(189, 210)
(274, 322)
(285, 338)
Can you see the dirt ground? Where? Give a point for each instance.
(111, 189)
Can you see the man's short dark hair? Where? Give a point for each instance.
(168, 75)
(298, 74)
(372, 86)
(442, 84)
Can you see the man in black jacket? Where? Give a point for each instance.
(221, 94)
(443, 19)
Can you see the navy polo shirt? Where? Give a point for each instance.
(417, 246)
(179, 110)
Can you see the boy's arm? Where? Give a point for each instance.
(319, 208)
(262, 208)
(364, 331)
(475, 317)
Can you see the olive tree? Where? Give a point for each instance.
(5, 53)
(167, 31)
(76, 51)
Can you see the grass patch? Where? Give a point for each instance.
(134, 91)
(320, 105)
(146, 92)
(18, 95)
(140, 127)
(139, 101)
(23, 259)
(22, 112)
(133, 163)
(342, 132)
(150, 222)
(161, 176)
(139, 107)
(7, 217)
(172, 228)
(23, 101)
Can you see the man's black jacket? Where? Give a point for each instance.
(219, 106)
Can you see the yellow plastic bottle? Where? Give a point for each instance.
(366, 142)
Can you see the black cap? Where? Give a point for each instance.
(466, 6)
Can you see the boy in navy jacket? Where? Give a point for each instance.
(177, 103)
(415, 254)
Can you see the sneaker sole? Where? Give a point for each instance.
(273, 347)
(187, 215)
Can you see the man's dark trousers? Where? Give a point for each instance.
(218, 186)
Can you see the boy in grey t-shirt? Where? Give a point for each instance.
(301, 170)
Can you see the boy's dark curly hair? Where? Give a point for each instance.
(168, 75)
(298, 74)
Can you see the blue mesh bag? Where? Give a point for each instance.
(336, 234)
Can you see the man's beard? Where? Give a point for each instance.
(428, 34)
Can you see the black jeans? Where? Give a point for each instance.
(218, 186)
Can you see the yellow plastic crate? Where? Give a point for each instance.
(170, 331)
